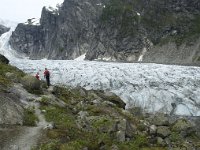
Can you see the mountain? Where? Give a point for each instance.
(163, 31)
(63, 33)
(3, 29)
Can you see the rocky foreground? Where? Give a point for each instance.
(63, 118)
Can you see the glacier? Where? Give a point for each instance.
(170, 89)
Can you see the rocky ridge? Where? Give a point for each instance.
(65, 33)
(3, 29)
(114, 30)
(76, 118)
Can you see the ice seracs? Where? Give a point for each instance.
(169, 89)
(154, 87)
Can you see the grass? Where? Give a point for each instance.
(8, 68)
(67, 95)
(66, 128)
(136, 144)
(30, 119)
(58, 115)
(5, 82)
(44, 100)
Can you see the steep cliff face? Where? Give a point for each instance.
(115, 30)
(140, 30)
(65, 33)
(3, 29)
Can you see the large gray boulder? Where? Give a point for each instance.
(11, 111)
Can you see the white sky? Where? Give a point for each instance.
(21, 10)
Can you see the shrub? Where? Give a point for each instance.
(30, 119)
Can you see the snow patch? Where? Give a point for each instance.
(80, 58)
(52, 10)
(138, 13)
(99, 4)
(33, 21)
(142, 54)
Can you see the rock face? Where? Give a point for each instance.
(65, 33)
(3, 59)
(11, 112)
(152, 31)
(115, 30)
(3, 29)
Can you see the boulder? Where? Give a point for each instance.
(11, 112)
(31, 84)
(163, 131)
(181, 125)
(120, 136)
(3, 59)
(152, 129)
(160, 119)
(115, 99)
(160, 141)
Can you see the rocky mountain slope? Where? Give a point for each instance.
(65, 33)
(150, 30)
(3, 29)
(65, 118)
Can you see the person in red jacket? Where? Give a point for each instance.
(47, 76)
(37, 76)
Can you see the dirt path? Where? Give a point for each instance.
(21, 137)
(25, 137)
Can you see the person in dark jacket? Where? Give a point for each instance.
(47, 76)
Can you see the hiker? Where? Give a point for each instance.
(47, 76)
(37, 76)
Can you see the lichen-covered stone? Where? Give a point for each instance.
(163, 131)
(181, 125)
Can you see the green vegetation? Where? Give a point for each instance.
(154, 148)
(30, 119)
(31, 84)
(66, 128)
(188, 35)
(120, 13)
(136, 144)
(195, 28)
(51, 145)
(44, 100)
(67, 95)
(6, 81)
(61, 49)
(176, 137)
(8, 68)
(60, 116)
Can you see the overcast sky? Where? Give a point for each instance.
(21, 10)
